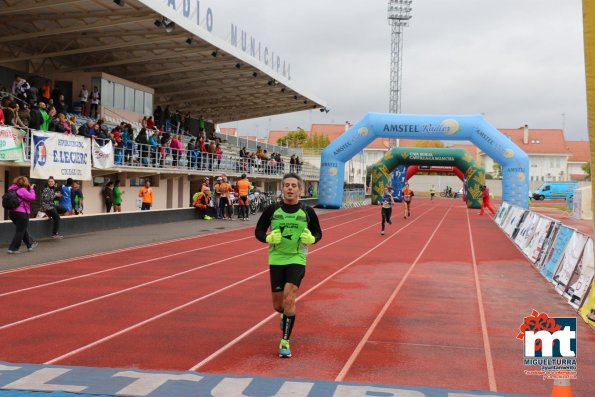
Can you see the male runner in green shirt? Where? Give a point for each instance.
(294, 226)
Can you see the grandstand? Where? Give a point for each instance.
(140, 54)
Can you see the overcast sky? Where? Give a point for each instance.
(515, 61)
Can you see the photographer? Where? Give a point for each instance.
(20, 214)
(48, 197)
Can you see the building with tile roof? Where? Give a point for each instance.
(580, 155)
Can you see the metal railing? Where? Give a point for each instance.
(252, 145)
(354, 198)
(135, 155)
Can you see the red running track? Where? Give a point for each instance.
(435, 302)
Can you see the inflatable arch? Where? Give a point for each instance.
(515, 163)
(474, 175)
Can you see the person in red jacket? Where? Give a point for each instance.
(486, 201)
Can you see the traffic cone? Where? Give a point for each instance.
(561, 388)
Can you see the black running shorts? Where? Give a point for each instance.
(281, 274)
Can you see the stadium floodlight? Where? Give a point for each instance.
(399, 14)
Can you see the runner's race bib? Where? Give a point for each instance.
(385, 204)
(406, 197)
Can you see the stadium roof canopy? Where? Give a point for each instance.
(190, 68)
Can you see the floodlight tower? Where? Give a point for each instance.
(399, 13)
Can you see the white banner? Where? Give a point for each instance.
(584, 276)
(572, 253)
(502, 212)
(11, 144)
(103, 156)
(61, 156)
(542, 231)
(526, 230)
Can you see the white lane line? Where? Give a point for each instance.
(382, 312)
(138, 247)
(101, 297)
(274, 314)
(158, 316)
(121, 267)
(125, 266)
(482, 316)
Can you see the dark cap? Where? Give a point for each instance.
(243, 176)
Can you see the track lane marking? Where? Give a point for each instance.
(306, 293)
(118, 292)
(139, 247)
(482, 317)
(382, 312)
(163, 314)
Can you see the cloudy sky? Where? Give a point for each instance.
(515, 61)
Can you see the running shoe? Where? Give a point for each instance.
(57, 236)
(382, 232)
(390, 222)
(13, 252)
(284, 350)
(207, 218)
(33, 245)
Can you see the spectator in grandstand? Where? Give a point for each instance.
(146, 193)
(190, 155)
(163, 146)
(21, 89)
(158, 116)
(77, 198)
(33, 93)
(143, 122)
(118, 192)
(212, 154)
(95, 100)
(24, 114)
(143, 146)
(154, 147)
(84, 100)
(8, 110)
(219, 155)
(292, 163)
(61, 106)
(2, 120)
(49, 196)
(36, 117)
(60, 124)
(150, 123)
(298, 165)
(45, 91)
(202, 148)
(243, 152)
(108, 196)
(47, 115)
(87, 129)
(176, 148)
(66, 196)
(166, 118)
(128, 138)
(20, 215)
(201, 126)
